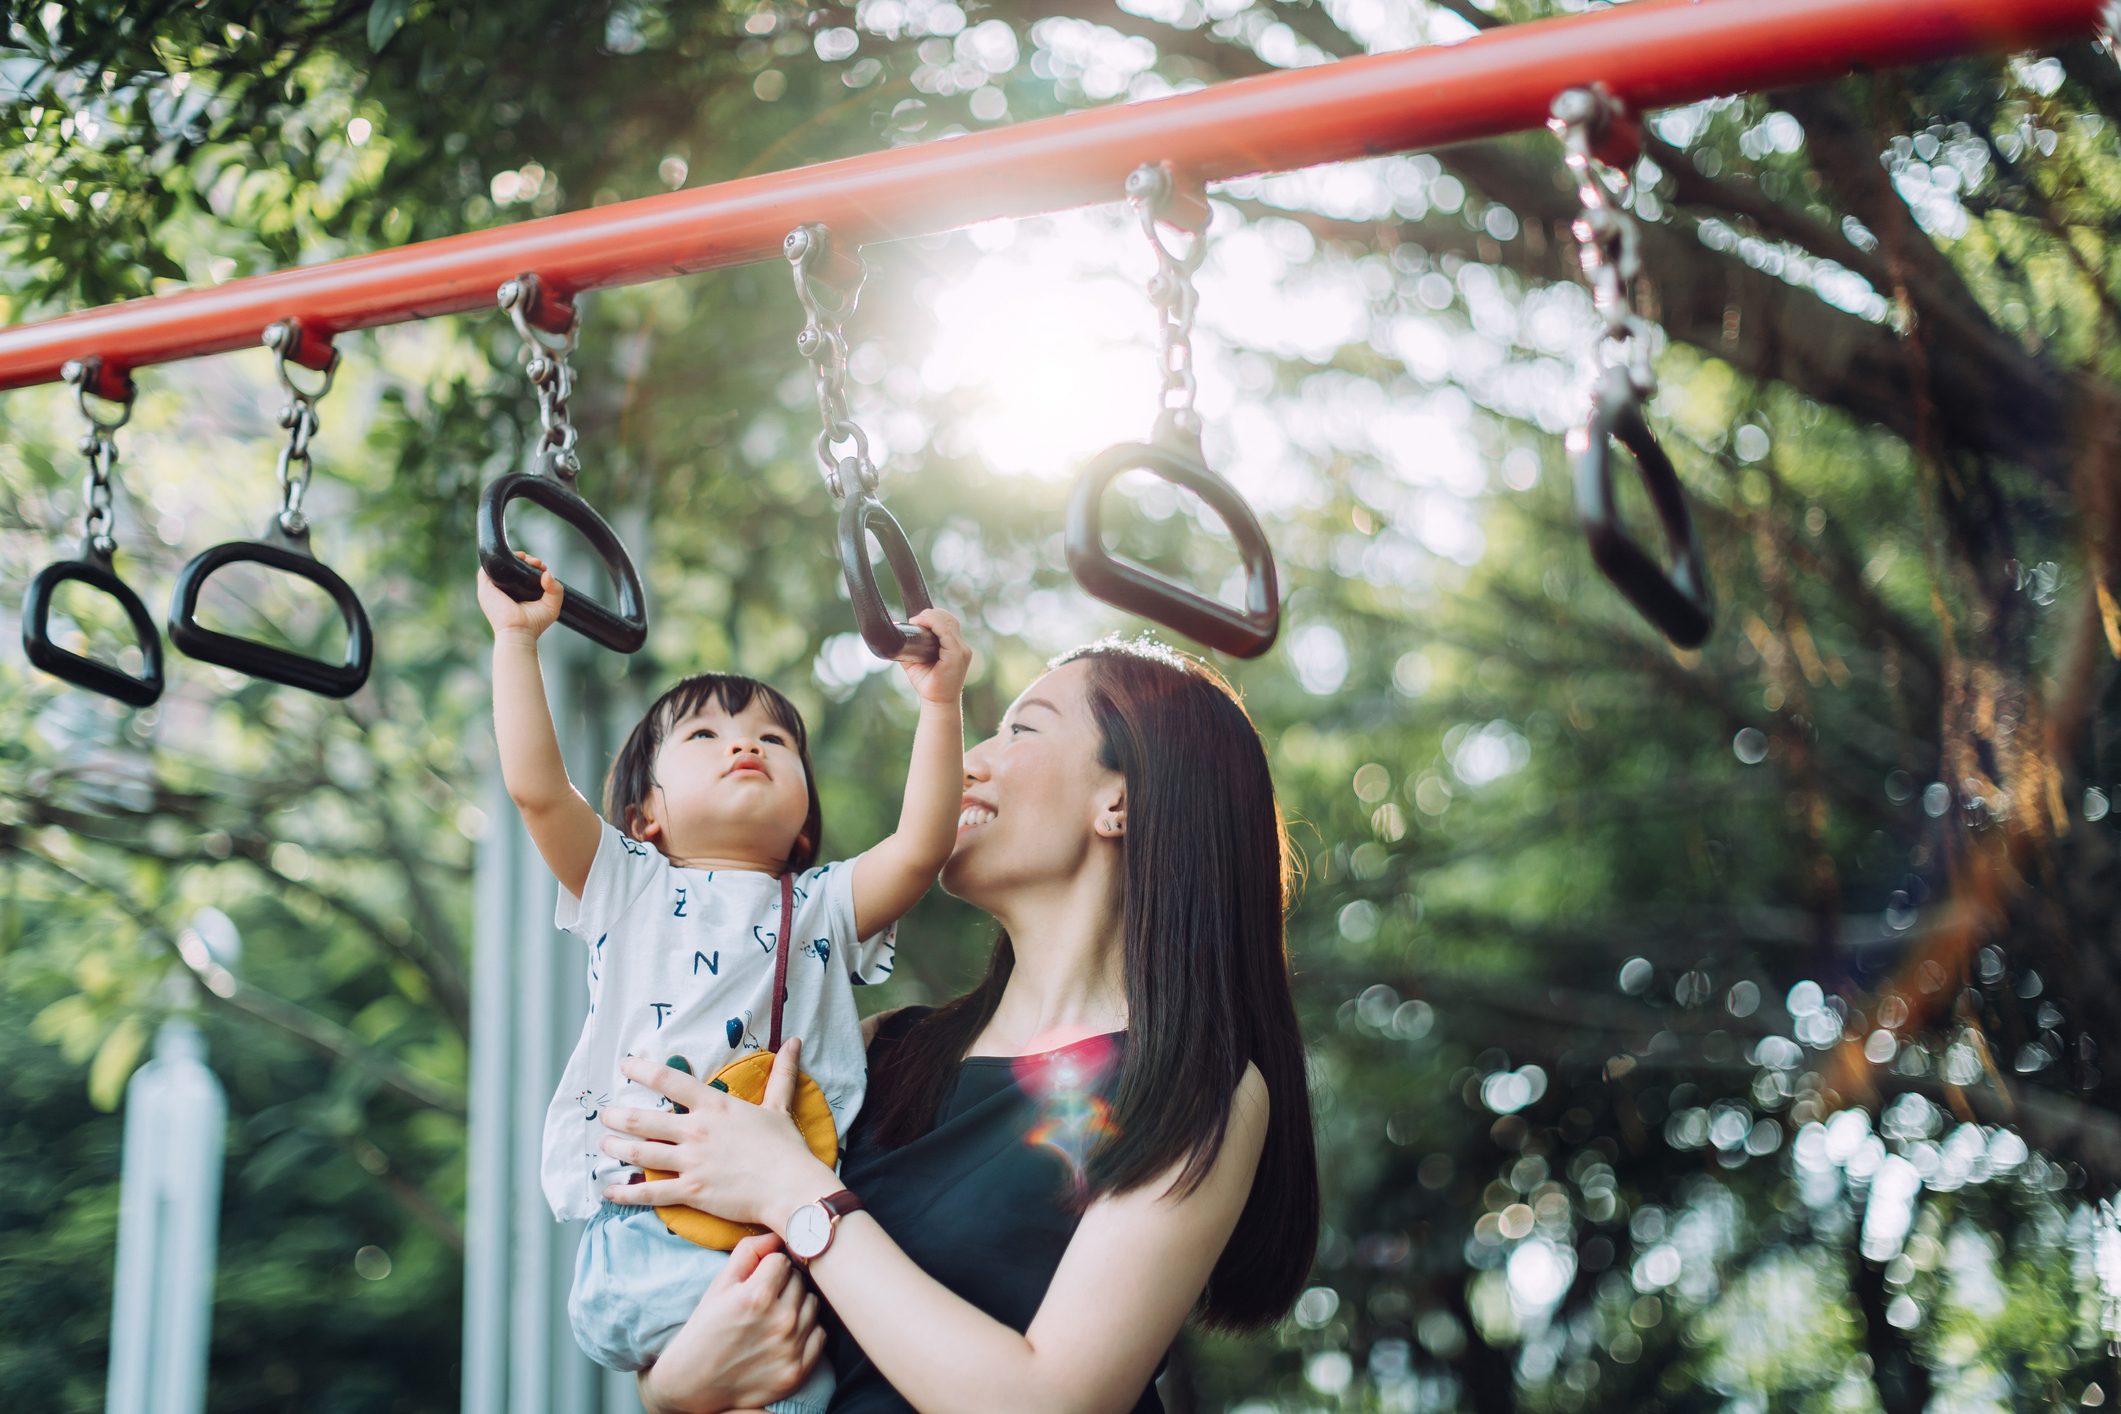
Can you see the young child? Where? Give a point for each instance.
(677, 892)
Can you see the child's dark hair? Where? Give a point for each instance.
(633, 769)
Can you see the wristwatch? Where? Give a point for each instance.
(810, 1227)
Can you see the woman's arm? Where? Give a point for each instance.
(1134, 1269)
(1136, 1266)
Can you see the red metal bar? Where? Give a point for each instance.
(1652, 53)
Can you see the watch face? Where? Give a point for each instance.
(808, 1229)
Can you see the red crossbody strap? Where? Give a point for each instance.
(780, 958)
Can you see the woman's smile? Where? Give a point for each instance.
(974, 814)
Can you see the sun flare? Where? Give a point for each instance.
(1047, 339)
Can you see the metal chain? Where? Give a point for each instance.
(823, 343)
(101, 450)
(1612, 257)
(545, 362)
(1149, 191)
(299, 416)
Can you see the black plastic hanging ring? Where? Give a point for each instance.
(1674, 597)
(623, 631)
(861, 516)
(290, 554)
(94, 570)
(1242, 633)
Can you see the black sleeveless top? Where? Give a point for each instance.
(980, 1202)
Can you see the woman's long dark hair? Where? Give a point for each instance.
(1205, 862)
(632, 774)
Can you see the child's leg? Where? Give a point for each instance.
(630, 1274)
(811, 1396)
(636, 1282)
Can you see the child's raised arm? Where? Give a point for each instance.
(891, 877)
(564, 826)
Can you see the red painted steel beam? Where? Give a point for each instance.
(1652, 53)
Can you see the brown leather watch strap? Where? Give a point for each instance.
(834, 1206)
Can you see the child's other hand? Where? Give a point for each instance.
(941, 681)
(511, 616)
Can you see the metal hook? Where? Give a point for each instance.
(89, 375)
(290, 342)
(533, 310)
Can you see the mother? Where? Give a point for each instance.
(1121, 827)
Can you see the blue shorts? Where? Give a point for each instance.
(636, 1282)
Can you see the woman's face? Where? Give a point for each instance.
(1034, 793)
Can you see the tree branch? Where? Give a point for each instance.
(255, 851)
(409, 1195)
(327, 1038)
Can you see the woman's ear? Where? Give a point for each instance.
(1111, 822)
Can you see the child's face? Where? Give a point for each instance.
(728, 787)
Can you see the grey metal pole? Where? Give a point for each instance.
(168, 1223)
(493, 1149)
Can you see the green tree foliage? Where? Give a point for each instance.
(1691, 1030)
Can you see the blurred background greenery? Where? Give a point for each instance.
(1719, 1030)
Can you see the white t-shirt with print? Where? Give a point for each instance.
(681, 964)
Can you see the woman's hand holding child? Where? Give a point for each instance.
(778, 1175)
(753, 1338)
